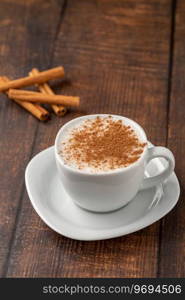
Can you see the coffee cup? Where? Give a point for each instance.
(108, 191)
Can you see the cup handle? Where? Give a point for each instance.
(157, 179)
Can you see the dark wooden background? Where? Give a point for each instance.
(125, 57)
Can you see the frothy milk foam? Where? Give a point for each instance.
(100, 144)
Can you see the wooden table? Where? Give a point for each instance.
(124, 57)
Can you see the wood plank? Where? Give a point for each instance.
(116, 59)
(172, 261)
(26, 41)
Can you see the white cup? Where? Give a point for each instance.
(108, 191)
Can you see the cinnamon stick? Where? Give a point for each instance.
(30, 96)
(35, 109)
(39, 78)
(59, 110)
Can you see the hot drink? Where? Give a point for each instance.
(101, 161)
(100, 144)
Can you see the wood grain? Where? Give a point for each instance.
(172, 250)
(23, 44)
(116, 56)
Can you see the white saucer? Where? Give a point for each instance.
(59, 212)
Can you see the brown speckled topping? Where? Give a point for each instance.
(101, 144)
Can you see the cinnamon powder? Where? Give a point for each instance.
(101, 144)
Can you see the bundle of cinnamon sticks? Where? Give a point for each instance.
(31, 100)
